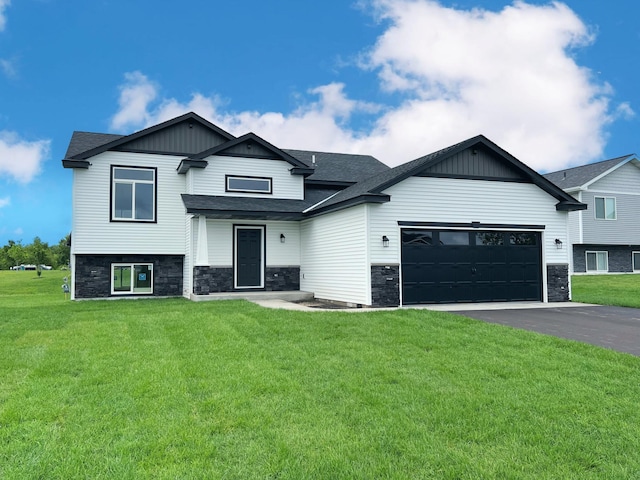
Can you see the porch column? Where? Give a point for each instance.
(202, 249)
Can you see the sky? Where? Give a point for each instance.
(553, 83)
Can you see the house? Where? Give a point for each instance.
(186, 208)
(606, 236)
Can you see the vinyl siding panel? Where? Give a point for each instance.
(187, 276)
(220, 242)
(211, 180)
(625, 230)
(420, 199)
(623, 180)
(93, 233)
(334, 256)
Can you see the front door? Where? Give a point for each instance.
(249, 261)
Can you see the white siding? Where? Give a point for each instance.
(335, 263)
(220, 242)
(420, 199)
(92, 231)
(622, 180)
(187, 268)
(211, 180)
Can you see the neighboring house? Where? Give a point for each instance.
(185, 208)
(606, 237)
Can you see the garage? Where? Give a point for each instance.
(460, 266)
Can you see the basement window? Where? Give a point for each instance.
(131, 278)
(597, 261)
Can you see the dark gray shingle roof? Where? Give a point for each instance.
(244, 207)
(577, 176)
(339, 167)
(83, 141)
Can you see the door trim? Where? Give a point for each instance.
(263, 255)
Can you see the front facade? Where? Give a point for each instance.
(605, 238)
(186, 209)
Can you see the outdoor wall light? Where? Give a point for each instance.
(282, 238)
(385, 241)
(558, 244)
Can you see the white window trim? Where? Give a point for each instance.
(635, 268)
(115, 218)
(615, 208)
(248, 190)
(596, 252)
(132, 267)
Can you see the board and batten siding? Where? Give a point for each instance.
(92, 230)
(334, 256)
(220, 242)
(211, 179)
(422, 199)
(624, 230)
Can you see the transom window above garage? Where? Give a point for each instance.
(133, 194)
(244, 184)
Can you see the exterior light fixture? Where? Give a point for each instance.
(558, 244)
(282, 238)
(385, 241)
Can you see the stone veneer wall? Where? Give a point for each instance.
(558, 282)
(619, 257)
(93, 274)
(385, 285)
(208, 280)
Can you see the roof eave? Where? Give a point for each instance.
(187, 164)
(568, 206)
(359, 200)
(70, 163)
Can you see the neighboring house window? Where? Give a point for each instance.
(636, 261)
(606, 208)
(248, 184)
(131, 278)
(133, 194)
(597, 261)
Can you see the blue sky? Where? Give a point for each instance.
(553, 83)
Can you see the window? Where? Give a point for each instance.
(605, 208)
(131, 278)
(454, 238)
(133, 194)
(523, 238)
(597, 261)
(248, 184)
(636, 261)
(417, 237)
(492, 239)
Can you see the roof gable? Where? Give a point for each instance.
(581, 177)
(475, 162)
(251, 145)
(372, 189)
(183, 135)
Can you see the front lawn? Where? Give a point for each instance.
(619, 290)
(174, 389)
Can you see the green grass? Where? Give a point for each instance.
(619, 290)
(166, 389)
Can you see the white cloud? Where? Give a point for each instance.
(20, 159)
(509, 75)
(3, 17)
(8, 68)
(5, 201)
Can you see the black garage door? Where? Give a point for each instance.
(450, 266)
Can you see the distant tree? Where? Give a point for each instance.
(38, 253)
(16, 253)
(61, 252)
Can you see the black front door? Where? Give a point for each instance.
(249, 257)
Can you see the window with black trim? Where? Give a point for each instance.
(243, 184)
(131, 278)
(605, 208)
(133, 194)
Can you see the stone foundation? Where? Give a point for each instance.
(620, 258)
(385, 285)
(558, 282)
(92, 274)
(208, 280)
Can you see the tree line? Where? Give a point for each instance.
(36, 253)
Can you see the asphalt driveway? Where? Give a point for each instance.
(616, 328)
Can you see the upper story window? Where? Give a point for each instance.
(247, 184)
(133, 194)
(605, 208)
